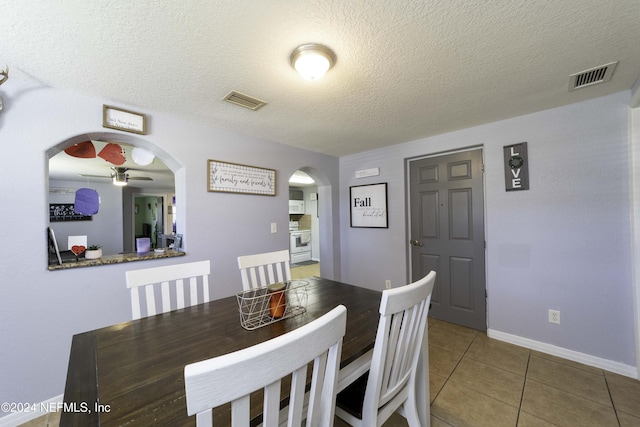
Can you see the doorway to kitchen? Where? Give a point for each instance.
(304, 225)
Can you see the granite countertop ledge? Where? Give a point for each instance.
(116, 259)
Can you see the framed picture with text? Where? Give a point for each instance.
(228, 177)
(120, 119)
(368, 206)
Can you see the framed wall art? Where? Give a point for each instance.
(368, 206)
(59, 212)
(236, 178)
(129, 121)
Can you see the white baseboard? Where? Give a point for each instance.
(586, 359)
(36, 410)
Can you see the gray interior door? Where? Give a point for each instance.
(447, 234)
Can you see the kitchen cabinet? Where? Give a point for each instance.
(295, 194)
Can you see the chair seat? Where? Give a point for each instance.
(351, 399)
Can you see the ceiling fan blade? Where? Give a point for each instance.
(83, 150)
(112, 153)
(140, 178)
(95, 176)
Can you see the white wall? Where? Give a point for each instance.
(564, 244)
(41, 310)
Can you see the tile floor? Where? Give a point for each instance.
(305, 271)
(478, 381)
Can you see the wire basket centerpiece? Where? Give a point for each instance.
(263, 306)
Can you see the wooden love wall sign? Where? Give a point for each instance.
(516, 167)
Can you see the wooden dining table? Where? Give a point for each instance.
(132, 373)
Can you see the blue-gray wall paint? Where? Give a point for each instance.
(564, 244)
(41, 310)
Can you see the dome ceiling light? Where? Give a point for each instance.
(312, 60)
(141, 156)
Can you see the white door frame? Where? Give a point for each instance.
(634, 166)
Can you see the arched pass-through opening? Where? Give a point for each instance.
(111, 165)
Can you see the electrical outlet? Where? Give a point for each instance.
(554, 316)
(387, 284)
(274, 227)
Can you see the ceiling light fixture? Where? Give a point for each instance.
(312, 60)
(120, 178)
(300, 177)
(141, 156)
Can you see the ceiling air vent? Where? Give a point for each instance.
(243, 100)
(592, 76)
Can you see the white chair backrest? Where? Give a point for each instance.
(166, 278)
(264, 269)
(403, 318)
(234, 376)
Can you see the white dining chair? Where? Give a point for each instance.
(234, 376)
(264, 269)
(170, 279)
(390, 384)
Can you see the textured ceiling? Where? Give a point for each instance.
(405, 69)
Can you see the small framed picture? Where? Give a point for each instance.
(368, 206)
(128, 121)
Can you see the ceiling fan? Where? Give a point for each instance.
(120, 176)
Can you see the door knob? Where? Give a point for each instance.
(415, 242)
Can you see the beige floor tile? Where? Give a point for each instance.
(572, 380)
(395, 420)
(431, 321)
(527, 420)
(451, 338)
(625, 393)
(499, 354)
(54, 419)
(47, 420)
(564, 409)
(627, 420)
(437, 422)
(567, 362)
(305, 271)
(41, 421)
(494, 382)
(458, 330)
(436, 382)
(442, 362)
(461, 406)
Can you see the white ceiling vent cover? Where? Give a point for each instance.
(592, 76)
(244, 100)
